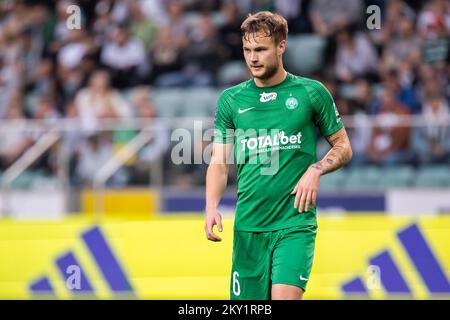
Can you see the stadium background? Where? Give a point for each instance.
(90, 119)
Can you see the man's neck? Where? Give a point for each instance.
(277, 78)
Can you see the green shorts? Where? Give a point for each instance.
(261, 259)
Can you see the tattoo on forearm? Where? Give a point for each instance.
(339, 155)
(318, 166)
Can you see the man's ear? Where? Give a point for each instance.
(282, 47)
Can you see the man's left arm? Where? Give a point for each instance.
(340, 153)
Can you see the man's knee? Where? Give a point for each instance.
(286, 292)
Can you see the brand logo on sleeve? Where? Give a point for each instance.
(264, 97)
(336, 112)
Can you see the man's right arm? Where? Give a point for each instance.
(216, 182)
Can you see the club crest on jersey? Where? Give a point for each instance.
(267, 96)
(291, 103)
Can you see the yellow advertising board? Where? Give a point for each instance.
(362, 256)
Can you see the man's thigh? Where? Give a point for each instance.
(293, 257)
(250, 274)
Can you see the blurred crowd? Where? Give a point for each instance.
(130, 47)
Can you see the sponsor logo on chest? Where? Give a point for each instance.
(265, 97)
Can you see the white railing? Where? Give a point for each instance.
(57, 129)
(23, 162)
(112, 124)
(114, 164)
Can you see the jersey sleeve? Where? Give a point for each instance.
(223, 122)
(325, 113)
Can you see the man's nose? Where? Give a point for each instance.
(253, 57)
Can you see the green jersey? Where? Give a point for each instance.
(273, 130)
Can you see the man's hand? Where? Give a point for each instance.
(306, 189)
(213, 217)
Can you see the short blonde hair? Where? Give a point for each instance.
(271, 24)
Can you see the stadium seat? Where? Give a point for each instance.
(127, 94)
(190, 18)
(362, 179)
(304, 53)
(347, 91)
(401, 176)
(433, 176)
(30, 102)
(231, 73)
(333, 181)
(24, 181)
(168, 102)
(41, 181)
(199, 102)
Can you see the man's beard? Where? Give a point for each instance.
(270, 71)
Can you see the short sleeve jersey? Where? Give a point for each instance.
(274, 132)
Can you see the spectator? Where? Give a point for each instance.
(395, 10)
(389, 141)
(143, 106)
(9, 84)
(405, 94)
(48, 71)
(103, 24)
(403, 45)
(296, 14)
(177, 23)
(361, 130)
(126, 59)
(355, 55)
(166, 54)
(93, 155)
(61, 33)
(431, 142)
(155, 11)
(434, 19)
(157, 146)
(45, 109)
(99, 101)
(71, 54)
(14, 142)
(330, 16)
(141, 27)
(204, 53)
(230, 31)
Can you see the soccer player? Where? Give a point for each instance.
(270, 123)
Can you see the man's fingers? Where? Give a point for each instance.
(219, 223)
(213, 237)
(308, 200)
(302, 201)
(313, 198)
(295, 189)
(210, 235)
(207, 230)
(297, 197)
